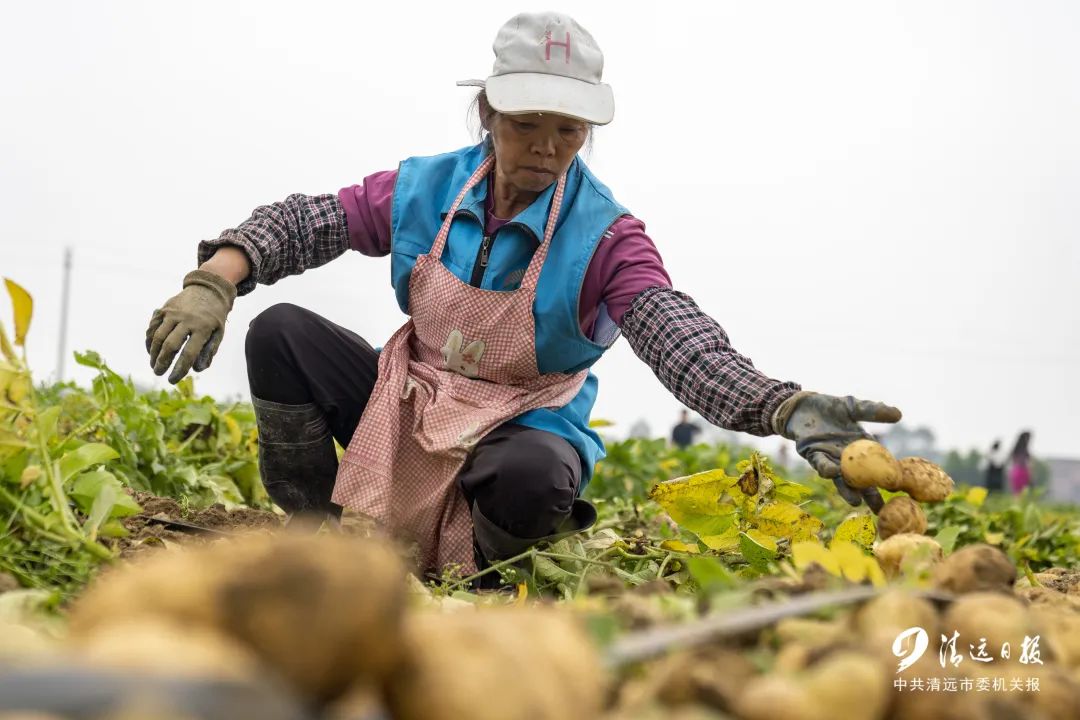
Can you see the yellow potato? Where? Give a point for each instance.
(923, 480)
(776, 697)
(901, 515)
(922, 552)
(154, 646)
(321, 610)
(496, 664)
(992, 617)
(881, 620)
(865, 463)
(975, 568)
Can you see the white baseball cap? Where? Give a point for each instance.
(546, 62)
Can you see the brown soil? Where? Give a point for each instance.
(147, 534)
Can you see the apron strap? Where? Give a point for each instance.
(532, 273)
(444, 231)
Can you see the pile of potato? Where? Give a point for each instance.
(846, 667)
(330, 619)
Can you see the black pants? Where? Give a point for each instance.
(523, 480)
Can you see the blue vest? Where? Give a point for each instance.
(425, 190)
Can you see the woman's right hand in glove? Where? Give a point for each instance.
(190, 323)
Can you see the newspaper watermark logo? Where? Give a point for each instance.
(912, 644)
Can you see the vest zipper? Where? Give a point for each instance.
(482, 258)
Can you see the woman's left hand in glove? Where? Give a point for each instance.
(822, 426)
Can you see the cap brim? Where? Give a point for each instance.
(518, 93)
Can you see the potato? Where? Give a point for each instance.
(19, 643)
(924, 481)
(901, 515)
(849, 685)
(990, 616)
(865, 463)
(496, 664)
(1061, 633)
(878, 622)
(975, 568)
(776, 697)
(809, 631)
(322, 610)
(846, 684)
(922, 552)
(1046, 597)
(711, 675)
(155, 646)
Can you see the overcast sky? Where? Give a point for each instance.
(873, 198)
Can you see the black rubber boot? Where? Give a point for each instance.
(493, 544)
(297, 459)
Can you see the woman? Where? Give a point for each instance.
(468, 432)
(1020, 464)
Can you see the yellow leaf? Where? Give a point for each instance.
(726, 541)
(696, 502)
(679, 546)
(235, 434)
(806, 553)
(23, 305)
(600, 423)
(5, 347)
(794, 492)
(858, 529)
(995, 538)
(856, 565)
(976, 496)
(851, 559)
(784, 519)
(521, 595)
(875, 573)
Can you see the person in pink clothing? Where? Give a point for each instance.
(311, 380)
(1020, 464)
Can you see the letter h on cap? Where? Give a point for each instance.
(550, 43)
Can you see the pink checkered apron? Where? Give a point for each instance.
(462, 365)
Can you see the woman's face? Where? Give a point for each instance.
(532, 151)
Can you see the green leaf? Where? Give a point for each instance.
(946, 538)
(46, 423)
(758, 549)
(858, 529)
(100, 508)
(83, 457)
(88, 486)
(710, 574)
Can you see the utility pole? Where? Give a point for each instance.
(64, 316)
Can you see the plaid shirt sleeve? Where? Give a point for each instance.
(692, 356)
(286, 238)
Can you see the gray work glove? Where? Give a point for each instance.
(193, 319)
(822, 426)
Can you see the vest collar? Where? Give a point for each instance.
(533, 218)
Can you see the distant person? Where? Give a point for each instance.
(682, 435)
(995, 468)
(1020, 464)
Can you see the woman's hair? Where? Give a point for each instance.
(483, 115)
(1020, 449)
